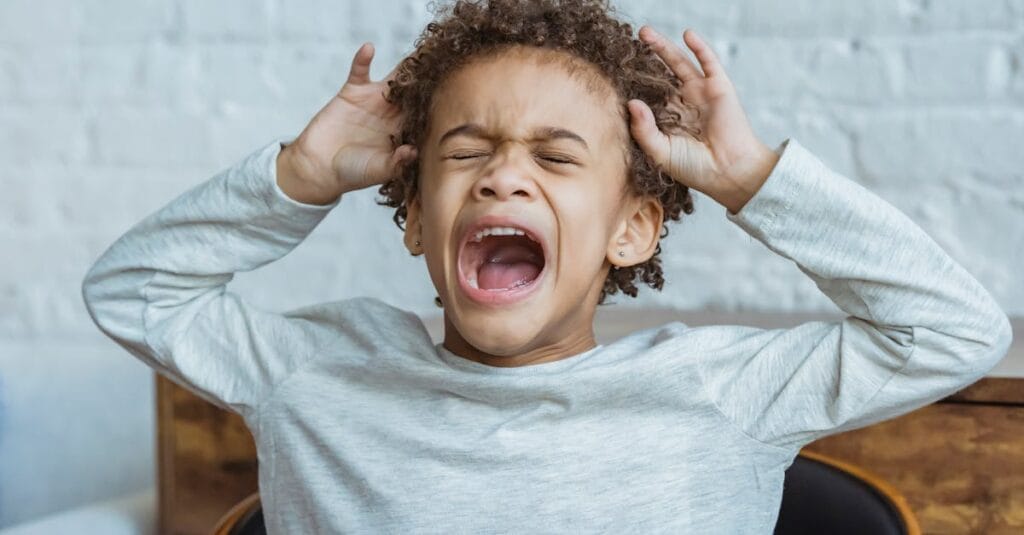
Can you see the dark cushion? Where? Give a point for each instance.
(819, 498)
(251, 523)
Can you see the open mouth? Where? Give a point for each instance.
(500, 264)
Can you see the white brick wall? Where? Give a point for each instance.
(108, 109)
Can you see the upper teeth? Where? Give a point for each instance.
(498, 231)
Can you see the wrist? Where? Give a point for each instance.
(739, 187)
(297, 179)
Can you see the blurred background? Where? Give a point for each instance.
(111, 108)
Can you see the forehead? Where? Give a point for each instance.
(519, 90)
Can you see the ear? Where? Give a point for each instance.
(413, 236)
(638, 233)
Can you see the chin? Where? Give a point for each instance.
(502, 333)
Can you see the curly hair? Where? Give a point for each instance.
(585, 29)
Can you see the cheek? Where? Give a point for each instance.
(599, 199)
(587, 217)
(435, 204)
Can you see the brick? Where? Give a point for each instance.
(1015, 84)
(956, 15)
(975, 68)
(226, 20)
(854, 71)
(310, 75)
(933, 145)
(237, 131)
(325, 20)
(111, 198)
(42, 134)
(121, 21)
(31, 22)
(153, 74)
(820, 131)
(150, 137)
(25, 210)
(843, 71)
(351, 22)
(755, 66)
(40, 74)
(237, 76)
(671, 17)
(812, 18)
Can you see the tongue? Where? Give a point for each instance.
(497, 276)
(508, 264)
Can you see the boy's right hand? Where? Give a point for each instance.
(347, 145)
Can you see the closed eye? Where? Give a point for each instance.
(555, 159)
(546, 157)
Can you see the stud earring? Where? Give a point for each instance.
(621, 254)
(417, 243)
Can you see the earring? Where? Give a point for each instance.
(417, 243)
(621, 254)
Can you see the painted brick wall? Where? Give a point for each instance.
(110, 108)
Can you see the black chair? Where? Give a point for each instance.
(825, 495)
(820, 495)
(245, 518)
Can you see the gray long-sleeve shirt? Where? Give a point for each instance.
(363, 425)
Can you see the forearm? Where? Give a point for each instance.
(870, 258)
(168, 265)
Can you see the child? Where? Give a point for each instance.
(533, 151)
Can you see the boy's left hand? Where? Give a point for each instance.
(729, 163)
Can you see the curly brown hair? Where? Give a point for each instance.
(585, 29)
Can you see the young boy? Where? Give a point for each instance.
(533, 151)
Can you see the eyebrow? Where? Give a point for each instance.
(541, 133)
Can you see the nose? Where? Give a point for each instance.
(509, 176)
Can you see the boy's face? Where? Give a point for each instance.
(516, 143)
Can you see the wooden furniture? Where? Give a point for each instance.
(959, 462)
(207, 461)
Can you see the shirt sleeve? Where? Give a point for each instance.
(919, 326)
(159, 290)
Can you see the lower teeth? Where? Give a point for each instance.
(515, 285)
(519, 283)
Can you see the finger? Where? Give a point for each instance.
(387, 167)
(360, 71)
(671, 54)
(405, 154)
(705, 55)
(645, 130)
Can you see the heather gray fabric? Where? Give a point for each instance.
(364, 426)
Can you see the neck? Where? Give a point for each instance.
(572, 344)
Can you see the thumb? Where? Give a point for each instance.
(644, 129)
